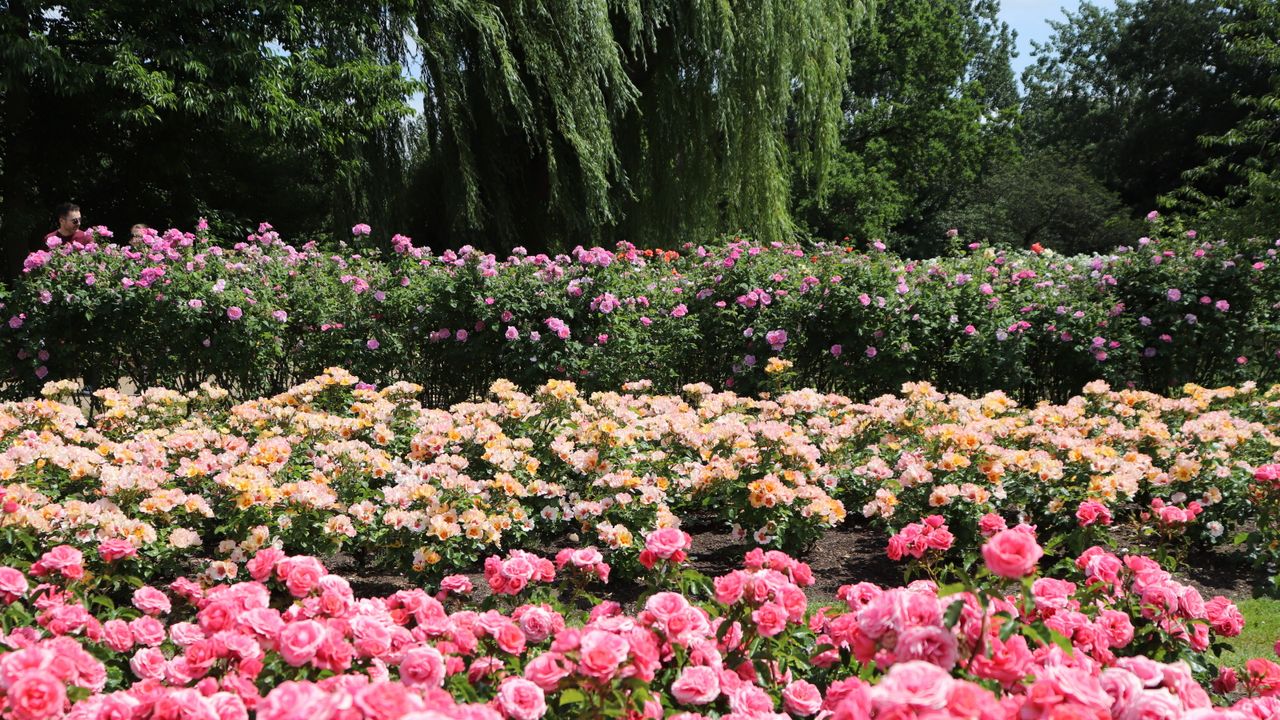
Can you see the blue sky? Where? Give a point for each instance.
(1029, 18)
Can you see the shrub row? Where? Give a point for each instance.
(261, 315)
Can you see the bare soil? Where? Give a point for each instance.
(854, 552)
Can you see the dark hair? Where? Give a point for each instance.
(66, 209)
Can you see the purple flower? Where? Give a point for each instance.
(373, 344)
(871, 351)
(1174, 294)
(280, 315)
(1222, 305)
(836, 350)
(361, 229)
(461, 335)
(235, 313)
(195, 303)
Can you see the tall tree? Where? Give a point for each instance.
(929, 105)
(656, 120)
(1238, 187)
(155, 111)
(1129, 90)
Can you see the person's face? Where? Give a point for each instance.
(70, 222)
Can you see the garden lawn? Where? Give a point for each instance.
(1261, 630)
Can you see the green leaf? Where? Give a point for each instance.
(953, 613)
(571, 696)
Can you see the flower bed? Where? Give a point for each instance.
(334, 464)
(261, 315)
(1105, 637)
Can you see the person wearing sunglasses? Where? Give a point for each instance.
(68, 225)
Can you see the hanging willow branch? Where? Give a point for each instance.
(649, 119)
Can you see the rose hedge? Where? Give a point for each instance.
(337, 464)
(1100, 637)
(261, 315)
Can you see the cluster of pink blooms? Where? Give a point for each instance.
(916, 539)
(224, 650)
(588, 562)
(669, 544)
(512, 574)
(1171, 515)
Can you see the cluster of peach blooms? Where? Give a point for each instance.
(336, 464)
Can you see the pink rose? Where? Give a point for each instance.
(147, 631)
(990, 524)
(151, 601)
(547, 670)
(148, 664)
(916, 685)
(116, 549)
(697, 685)
(729, 588)
(1012, 553)
(235, 313)
(36, 695)
(600, 654)
(13, 585)
(668, 543)
(520, 699)
(1225, 617)
(770, 619)
(63, 559)
(1092, 512)
(387, 701)
(510, 638)
(293, 700)
(423, 666)
(299, 641)
(301, 574)
(929, 643)
(801, 698)
(264, 563)
(457, 585)
(117, 635)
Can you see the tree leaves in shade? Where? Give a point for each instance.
(1244, 161)
(158, 111)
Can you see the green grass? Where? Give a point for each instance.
(1261, 630)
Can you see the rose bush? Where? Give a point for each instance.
(260, 315)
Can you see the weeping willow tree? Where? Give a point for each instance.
(565, 121)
